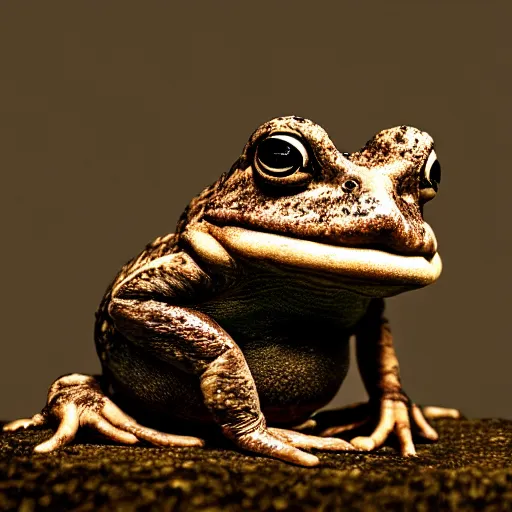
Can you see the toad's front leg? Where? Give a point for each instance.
(193, 340)
(389, 407)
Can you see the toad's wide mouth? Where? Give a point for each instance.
(355, 263)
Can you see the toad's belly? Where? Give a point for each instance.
(293, 379)
(296, 379)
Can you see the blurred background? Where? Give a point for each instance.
(113, 115)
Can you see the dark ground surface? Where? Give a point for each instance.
(469, 469)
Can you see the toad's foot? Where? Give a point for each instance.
(394, 416)
(76, 401)
(284, 444)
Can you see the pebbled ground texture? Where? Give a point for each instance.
(470, 468)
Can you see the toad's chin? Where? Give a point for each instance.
(369, 272)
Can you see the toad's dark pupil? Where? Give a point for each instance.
(435, 172)
(350, 185)
(434, 178)
(279, 154)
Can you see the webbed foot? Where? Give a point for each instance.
(285, 444)
(76, 401)
(390, 416)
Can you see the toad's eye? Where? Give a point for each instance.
(430, 177)
(280, 155)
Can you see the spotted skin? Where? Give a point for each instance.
(241, 318)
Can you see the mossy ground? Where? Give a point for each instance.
(470, 468)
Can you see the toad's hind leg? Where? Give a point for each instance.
(191, 339)
(77, 400)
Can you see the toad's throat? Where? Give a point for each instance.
(361, 264)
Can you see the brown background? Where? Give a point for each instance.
(114, 114)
